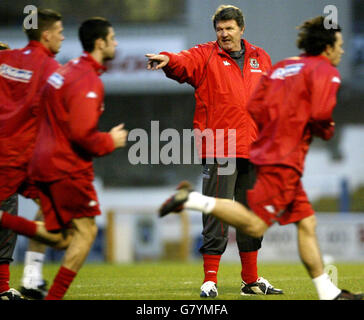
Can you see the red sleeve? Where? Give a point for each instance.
(256, 108)
(267, 59)
(84, 112)
(186, 66)
(324, 84)
(51, 67)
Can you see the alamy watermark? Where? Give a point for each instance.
(31, 20)
(216, 145)
(332, 272)
(331, 18)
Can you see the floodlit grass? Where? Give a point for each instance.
(182, 281)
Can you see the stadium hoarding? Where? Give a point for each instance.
(341, 238)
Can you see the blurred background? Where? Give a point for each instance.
(130, 194)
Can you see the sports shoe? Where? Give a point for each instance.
(11, 294)
(261, 286)
(209, 289)
(347, 295)
(175, 202)
(37, 293)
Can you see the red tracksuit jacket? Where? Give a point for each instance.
(23, 74)
(294, 102)
(221, 92)
(68, 136)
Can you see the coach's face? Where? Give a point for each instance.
(110, 45)
(229, 35)
(335, 52)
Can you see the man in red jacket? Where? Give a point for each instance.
(61, 164)
(224, 74)
(23, 73)
(293, 103)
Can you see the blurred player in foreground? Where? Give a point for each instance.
(23, 74)
(61, 165)
(293, 103)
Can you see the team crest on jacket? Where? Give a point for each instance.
(254, 63)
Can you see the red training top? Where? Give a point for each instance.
(222, 92)
(68, 136)
(23, 74)
(294, 101)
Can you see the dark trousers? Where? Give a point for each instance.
(234, 186)
(8, 237)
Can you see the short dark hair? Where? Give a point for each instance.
(228, 12)
(4, 46)
(91, 30)
(46, 19)
(313, 36)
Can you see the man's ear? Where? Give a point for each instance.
(45, 36)
(328, 49)
(242, 31)
(99, 43)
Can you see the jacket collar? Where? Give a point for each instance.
(37, 44)
(320, 56)
(99, 68)
(249, 48)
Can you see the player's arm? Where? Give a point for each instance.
(156, 61)
(323, 129)
(84, 112)
(185, 66)
(324, 86)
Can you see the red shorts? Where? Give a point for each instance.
(278, 196)
(70, 198)
(14, 180)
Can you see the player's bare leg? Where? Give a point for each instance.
(35, 230)
(239, 216)
(57, 240)
(85, 230)
(308, 246)
(226, 210)
(310, 255)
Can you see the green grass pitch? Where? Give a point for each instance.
(182, 281)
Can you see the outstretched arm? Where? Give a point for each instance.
(185, 66)
(156, 61)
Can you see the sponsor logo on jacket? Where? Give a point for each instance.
(287, 71)
(56, 80)
(15, 74)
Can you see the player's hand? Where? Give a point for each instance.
(322, 129)
(156, 61)
(119, 136)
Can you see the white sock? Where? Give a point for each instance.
(325, 288)
(199, 202)
(32, 275)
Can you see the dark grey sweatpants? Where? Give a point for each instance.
(8, 237)
(215, 232)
